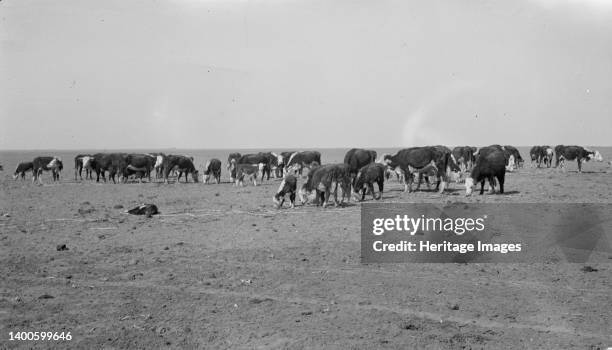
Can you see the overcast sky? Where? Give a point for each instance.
(81, 74)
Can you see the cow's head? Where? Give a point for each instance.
(469, 186)
(87, 160)
(595, 155)
(159, 160)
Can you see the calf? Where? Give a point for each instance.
(21, 170)
(490, 164)
(139, 164)
(365, 179)
(40, 164)
(212, 168)
(323, 180)
(287, 186)
(248, 170)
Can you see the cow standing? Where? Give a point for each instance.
(287, 186)
(490, 165)
(323, 180)
(183, 164)
(357, 158)
(411, 160)
(114, 163)
(248, 170)
(139, 164)
(52, 164)
(232, 160)
(78, 167)
(212, 168)
(580, 154)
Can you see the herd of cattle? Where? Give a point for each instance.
(359, 172)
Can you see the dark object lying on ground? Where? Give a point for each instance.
(144, 209)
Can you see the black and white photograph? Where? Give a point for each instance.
(306, 174)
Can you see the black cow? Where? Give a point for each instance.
(266, 159)
(298, 160)
(139, 164)
(411, 160)
(357, 158)
(114, 163)
(580, 154)
(78, 167)
(324, 180)
(22, 168)
(40, 164)
(287, 186)
(366, 177)
(183, 164)
(490, 164)
(212, 168)
(464, 155)
(248, 170)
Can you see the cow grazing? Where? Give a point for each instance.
(464, 156)
(212, 168)
(139, 164)
(250, 171)
(299, 160)
(52, 164)
(78, 167)
(411, 160)
(365, 179)
(580, 154)
(323, 180)
(287, 186)
(357, 158)
(22, 168)
(490, 164)
(184, 165)
(518, 160)
(114, 163)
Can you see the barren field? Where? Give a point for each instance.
(221, 268)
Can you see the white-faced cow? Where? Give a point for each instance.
(232, 160)
(365, 179)
(580, 154)
(323, 181)
(490, 165)
(287, 186)
(52, 164)
(212, 168)
(304, 159)
(22, 169)
(250, 171)
(78, 167)
(183, 164)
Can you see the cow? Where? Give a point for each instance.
(411, 160)
(248, 170)
(114, 163)
(287, 186)
(40, 164)
(232, 160)
(518, 160)
(537, 155)
(490, 164)
(283, 159)
(464, 155)
(323, 180)
(184, 165)
(212, 168)
(78, 167)
(365, 179)
(21, 170)
(357, 158)
(139, 164)
(299, 160)
(267, 159)
(580, 154)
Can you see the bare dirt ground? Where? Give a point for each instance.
(221, 268)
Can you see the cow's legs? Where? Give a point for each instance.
(579, 165)
(380, 188)
(482, 183)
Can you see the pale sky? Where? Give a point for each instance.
(78, 74)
